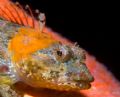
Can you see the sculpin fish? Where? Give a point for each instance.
(37, 59)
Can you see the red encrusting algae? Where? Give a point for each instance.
(104, 85)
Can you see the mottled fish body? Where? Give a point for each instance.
(39, 60)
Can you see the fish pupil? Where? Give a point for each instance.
(59, 53)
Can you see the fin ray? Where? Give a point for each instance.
(17, 15)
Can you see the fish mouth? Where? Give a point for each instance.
(77, 84)
(74, 86)
(83, 84)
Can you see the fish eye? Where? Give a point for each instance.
(62, 54)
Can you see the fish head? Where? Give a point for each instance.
(57, 66)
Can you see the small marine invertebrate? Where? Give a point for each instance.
(37, 59)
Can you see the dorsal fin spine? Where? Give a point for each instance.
(5, 14)
(11, 14)
(33, 23)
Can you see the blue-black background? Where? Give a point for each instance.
(91, 24)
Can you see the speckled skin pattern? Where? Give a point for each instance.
(39, 60)
(105, 84)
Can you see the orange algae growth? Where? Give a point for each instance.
(27, 41)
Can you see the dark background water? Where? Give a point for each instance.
(91, 24)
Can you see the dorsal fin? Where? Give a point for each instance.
(16, 14)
